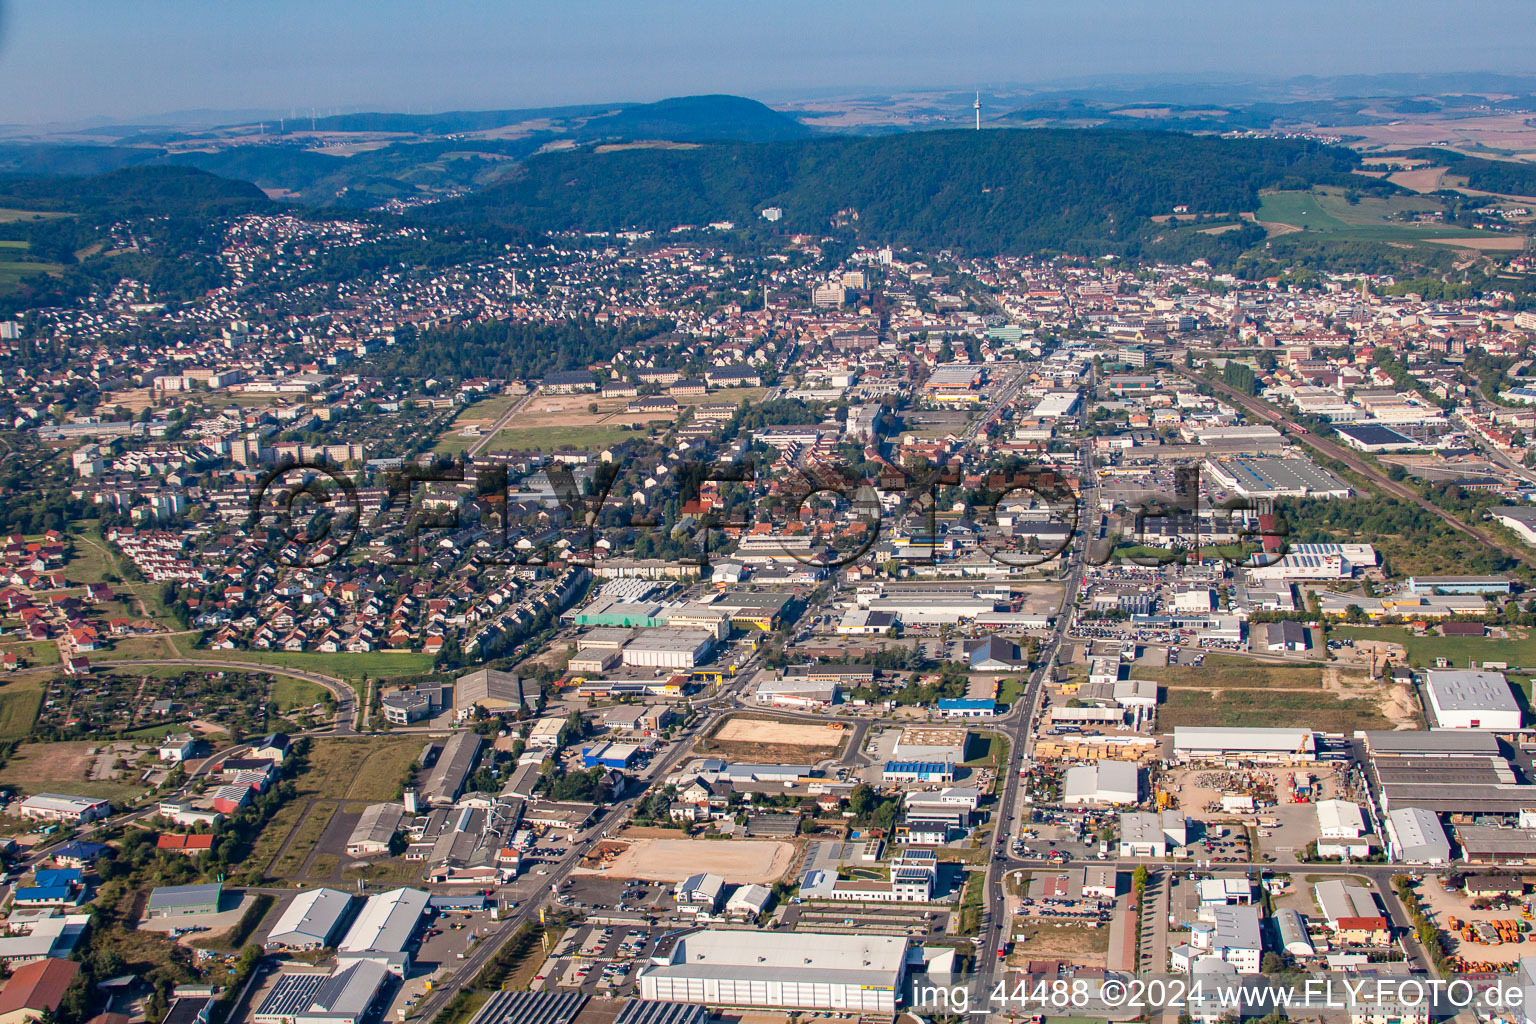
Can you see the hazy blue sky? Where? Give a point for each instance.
(71, 59)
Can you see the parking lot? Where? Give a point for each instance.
(600, 959)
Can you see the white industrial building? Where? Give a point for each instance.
(666, 647)
(1152, 834)
(311, 921)
(1341, 829)
(801, 970)
(931, 743)
(383, 930)
(1231, 935)
(1464, 699)
(1415, 836)
(1292, 928)
(374, 830)
(1104, 783)
(57, 807)
(795, 692)
(1270, 746)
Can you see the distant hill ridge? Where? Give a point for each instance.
(1010, 191)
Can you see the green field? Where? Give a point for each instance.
(345, 665)
(1460, 651)
(552, 438)
(1258, 708)
(8, 214)
(1326, 211)
(19, 704)
(12, 272)
(1237, 675)
(369, 768)
(296, 694)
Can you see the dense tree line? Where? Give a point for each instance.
(506, 350)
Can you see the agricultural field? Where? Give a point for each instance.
(15, 266)
(10, 214)
(1327, 211)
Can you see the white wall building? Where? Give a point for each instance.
(800, 970)
(1463, 699)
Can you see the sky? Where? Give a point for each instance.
(77, 60)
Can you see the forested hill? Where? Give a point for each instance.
(155, 191)
(994, 191)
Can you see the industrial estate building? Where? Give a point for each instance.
(1463, 699)
(801, 970)
(1104, 783)
(57, 807)
(446, 780)
(383, 930)
(311, 921)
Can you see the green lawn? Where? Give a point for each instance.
(1459, 650)
(345, 665)
(291, 694)
(1009, 691)
(551, 438)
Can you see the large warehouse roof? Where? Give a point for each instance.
(1418, 834)
(1432, 744)
(386, 922)
(1453, 690)
(311, 919)
(874, 961)
(1196, 738)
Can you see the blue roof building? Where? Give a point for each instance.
(611, 755)
(967, 707)
(48, 878)
(918, 771)
(46, 896)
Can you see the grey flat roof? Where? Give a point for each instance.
(1467, 690)
(185, 895)
(1465, 742)
(312, 916)
(349, 992)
